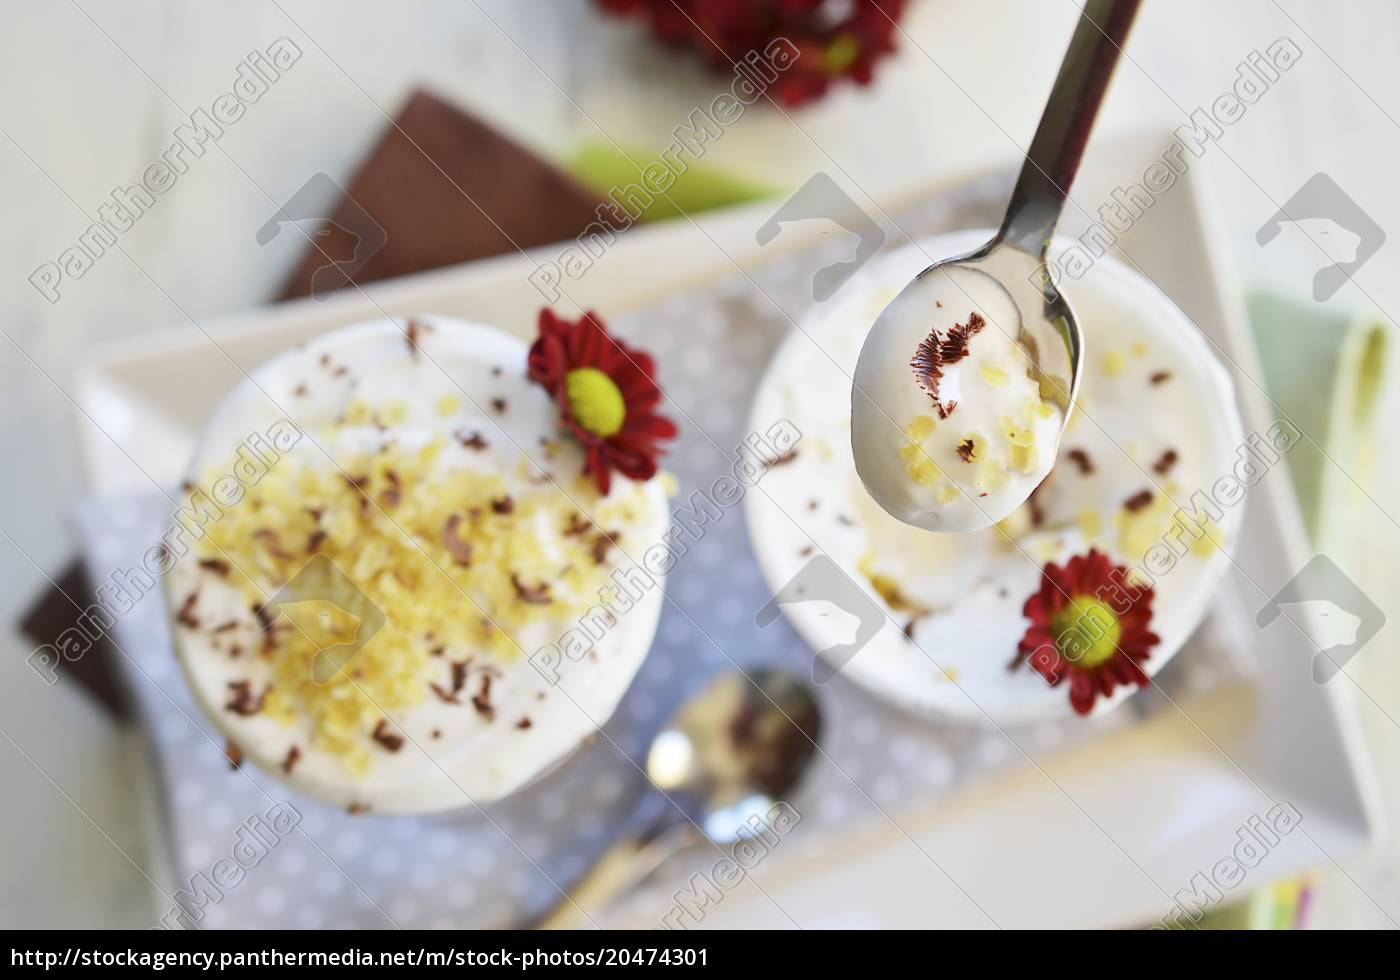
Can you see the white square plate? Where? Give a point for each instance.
(1103, 833)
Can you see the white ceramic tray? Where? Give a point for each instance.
(1099, 834)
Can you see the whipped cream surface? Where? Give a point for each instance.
(364, 619)
(948, 427)
(1155, 427)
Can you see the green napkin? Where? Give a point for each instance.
(701, 187)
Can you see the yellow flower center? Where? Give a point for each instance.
(1086, 631)
(596, 402)
(840, 54)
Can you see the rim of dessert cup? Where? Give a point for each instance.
(472, 809)
(1186, 618)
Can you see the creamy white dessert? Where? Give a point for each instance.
(948, 427)
(1137, 476)
(422, 494)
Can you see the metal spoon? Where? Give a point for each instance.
(1015, 258)
(725, 758)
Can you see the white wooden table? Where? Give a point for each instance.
(94, 90)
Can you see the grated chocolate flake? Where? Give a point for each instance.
(499, 404)
(782, 460)
(602, 544)
(186, 617)
(1160, 377)
(413, 330)
(289, 763)
(473, 442)
(355, 809)
(1081, 459)
(481, 701)
(234, 755)
(1139, 500)
(578, 524)
(241, 700)
(385, 737)
(272, 542)
(966, 449)
(537, 595)
(503, 505)
(524, 723)
(459, 674)
(443, 694)
(1165, 462)
(461, 551)
(216, 565)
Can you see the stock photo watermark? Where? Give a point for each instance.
(125, 206)
(707, 889)
(1333, 222)
(690, 141)
(821, 198)
(1338, 617)
(849, 615)
(1207, 888)
(126, 587)
(1255, 76)
(345, 243)
(629, 584)
(256, 838)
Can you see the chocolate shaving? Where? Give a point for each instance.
(265, 618)
(293, 754)
(234, 755)
(459, 674)
(481, 701)
(782, 460)
(386, 738)
(437, 733)
(216, 565)
(272, 542)
(1163, 465)
(1159, 377)
(460, 550)
(1139, 500)
(499, 404)
(411, 331)
(242, 701)
(502, 505)
(355, 809)
(300, 390)
(909, 626)
(524, 723)
(537, 595)
(473, 441)
(314, 541)
(443, 693)
(186, 617)
(577, 525)
(602, 544)
(935, 351)
(393, 495)
(224, 627)
(357, 482)
(966, 449)
(1081, 459)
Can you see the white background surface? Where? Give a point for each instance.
(79, 118)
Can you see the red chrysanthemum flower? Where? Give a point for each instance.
(833, 41)
(1089, 624)
(606, 395)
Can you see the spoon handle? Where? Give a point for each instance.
(624, 865)
(1055, 151)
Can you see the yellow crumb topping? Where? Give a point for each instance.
(460, 567)
(924, 472)
(447, 405)
(947, 493)
(919, 428)
(1112, 363)
(993, 375)
(991, 475)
